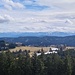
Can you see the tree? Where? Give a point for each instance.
(67, 65)
(37, 65)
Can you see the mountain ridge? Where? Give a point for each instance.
(21, 34)
(41, 41)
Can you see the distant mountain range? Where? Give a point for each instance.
(42, 41)
(40, 34)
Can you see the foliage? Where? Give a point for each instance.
(23, 64)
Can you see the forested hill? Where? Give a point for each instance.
(43, 41)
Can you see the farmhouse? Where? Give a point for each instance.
(50, 51)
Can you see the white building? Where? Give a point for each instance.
(54, 49)
(51, 51)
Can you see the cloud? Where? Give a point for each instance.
(9, 4)
(68, 21)
(58, 17)
(65, 5)
(8, 7)
(29, 21)
(47, 2)
(5, 18)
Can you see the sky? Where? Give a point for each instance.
(37, 16)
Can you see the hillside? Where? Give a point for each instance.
(42, 41)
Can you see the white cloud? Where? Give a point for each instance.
(10, 4)
(30, 22)
(65, 5)
(47, 2)
(60, 20)
(8, 7)
(5, 18)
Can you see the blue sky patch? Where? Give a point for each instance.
(36, 7)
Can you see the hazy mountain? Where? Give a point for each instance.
(42, 41)
(16, 34)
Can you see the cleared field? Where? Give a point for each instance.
(32, 49)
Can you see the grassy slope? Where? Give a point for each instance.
(32, 49)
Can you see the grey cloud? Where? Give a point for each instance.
(5, 18)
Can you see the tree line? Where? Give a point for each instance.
(6, 45)
(62, 63)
